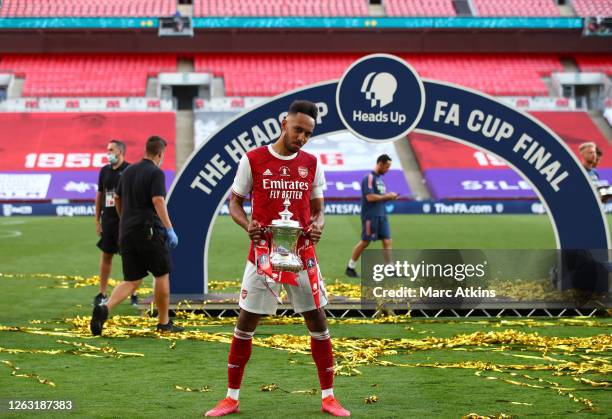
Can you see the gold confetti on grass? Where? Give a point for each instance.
(204, 389)
(16, 373)
(371, 399)
(515, 403)
(269, 387)
(598, 384)
(275, 387)
(493, 416)
(566, 357)
(309, 392)
(72, 281)
(222, 285)
(343, 289)
(79, 348)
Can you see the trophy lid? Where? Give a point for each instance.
(285, 220)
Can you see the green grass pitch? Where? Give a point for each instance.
(145, 386)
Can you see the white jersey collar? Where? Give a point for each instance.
(278, 156)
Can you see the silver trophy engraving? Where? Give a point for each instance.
(285, 234)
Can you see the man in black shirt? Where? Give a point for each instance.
(107, 220)
(145, 236)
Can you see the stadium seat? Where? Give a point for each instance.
(87, 8)
(515, 8)
(86, 75)
(419, 8)
(595, 63)
(271, 74)
(587, 8)
(280, 8)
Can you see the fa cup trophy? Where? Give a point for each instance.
(285, 234)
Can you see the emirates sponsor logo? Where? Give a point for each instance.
(282, 184)
(268, 172)
(303, 171)
(285, 189)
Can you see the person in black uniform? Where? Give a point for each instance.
(145, 236)
(107, 220)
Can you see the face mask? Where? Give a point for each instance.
(112, 158)
(160, 162)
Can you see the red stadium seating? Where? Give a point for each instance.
(515, 8)
(80, 132)
(85, 75)
(270, 74)
(595, 63)
(68, 148)
(588, 8)
(280, 8)
(419, 8)
(87, 8)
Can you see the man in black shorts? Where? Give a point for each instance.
(145, 236)
(107, 220)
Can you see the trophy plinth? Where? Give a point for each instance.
(285, 234)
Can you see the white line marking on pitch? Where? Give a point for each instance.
(11, 222)
(10, 234)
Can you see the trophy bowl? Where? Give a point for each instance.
(285, 234)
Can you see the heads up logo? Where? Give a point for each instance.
(380, 98)
(379, 88)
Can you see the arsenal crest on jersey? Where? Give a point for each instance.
(303, 171)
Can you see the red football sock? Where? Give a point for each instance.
(324, 360)
(240, 352)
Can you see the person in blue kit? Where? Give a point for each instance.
(374, 222)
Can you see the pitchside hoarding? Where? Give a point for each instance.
(331, 208)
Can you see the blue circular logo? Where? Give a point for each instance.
(380, 98)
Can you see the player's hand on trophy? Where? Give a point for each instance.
(254, 229)
(315, 231)
(391, 196)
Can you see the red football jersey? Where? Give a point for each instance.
(275, 178)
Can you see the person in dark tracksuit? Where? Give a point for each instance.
(374, 221)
